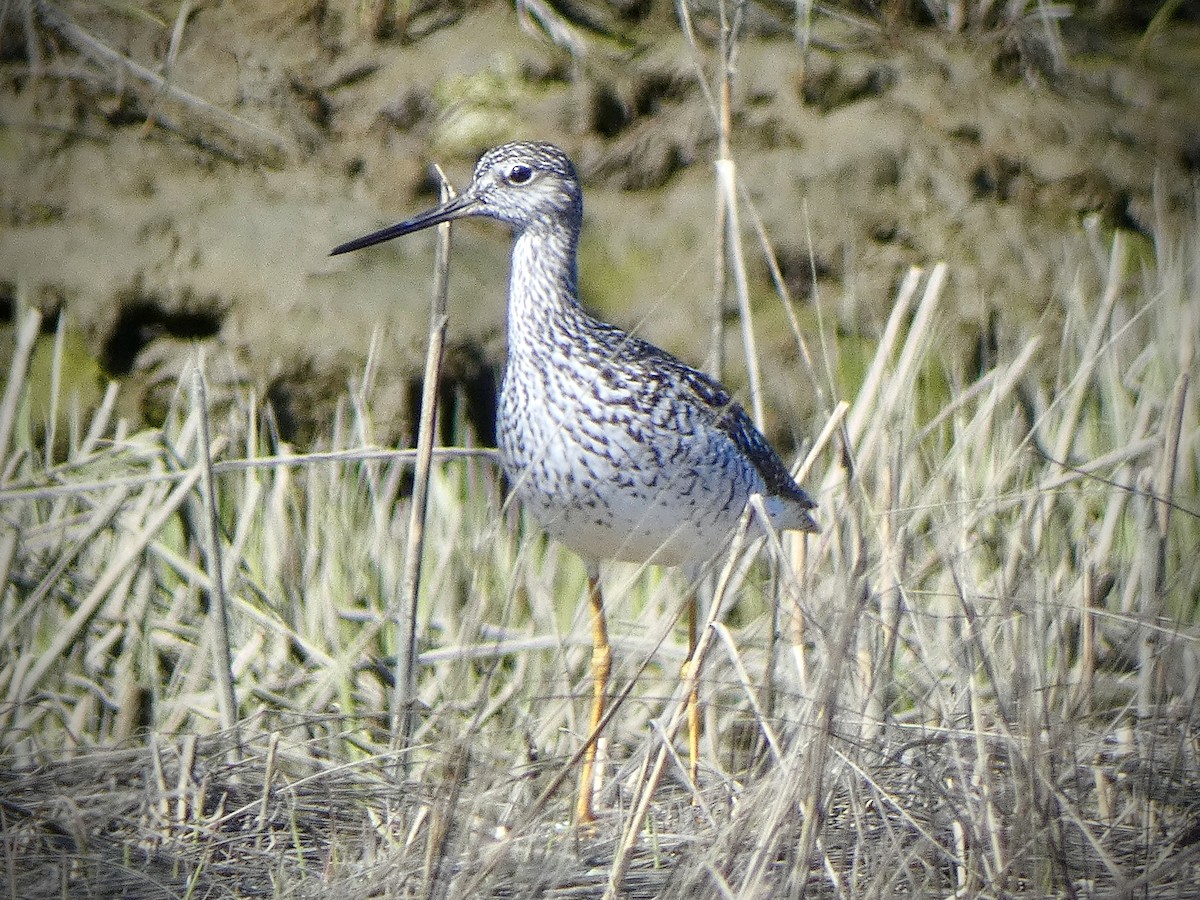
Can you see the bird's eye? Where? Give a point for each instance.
(519, 174)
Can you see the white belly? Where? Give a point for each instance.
(608, 496)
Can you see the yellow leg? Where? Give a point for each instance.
(601, 667)
(693, 700)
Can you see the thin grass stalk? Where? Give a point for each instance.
(218, 609)
(867, 399)
(404, 694)
(437, 863)
(785, 295)
(715, 363)
(899, 384)
(823, 709)
(8, 554)
(361, 428)
(1146, 406)
(1148, 607)
(974, 662)
(249, 502)
(728, 222)
(10, 855)
(1164, 482)
(720, 108)
(802, 29)
(56, 367)
(129, 679)
(777, 561)
(181, 20)
(99, 423)
(727, 186)
(1090, 354)
(18, 370)
(891, 568)
(739, 667)
(250, 499)
(1160, 487)
(723, 211)
(364, 454)
(1094, 588)
(74, 426)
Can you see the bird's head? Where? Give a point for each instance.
(522, 184)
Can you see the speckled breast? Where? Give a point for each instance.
(612, 486)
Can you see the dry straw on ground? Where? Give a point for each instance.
(980, 679)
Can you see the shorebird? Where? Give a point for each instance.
(617, 448)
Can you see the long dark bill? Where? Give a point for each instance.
(462, 205)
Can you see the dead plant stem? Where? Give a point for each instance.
(410, 585)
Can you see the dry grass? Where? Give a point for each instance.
(990, 688)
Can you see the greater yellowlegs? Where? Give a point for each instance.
(618, 449)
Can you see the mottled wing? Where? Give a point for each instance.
(727, 415)
(734, 422)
